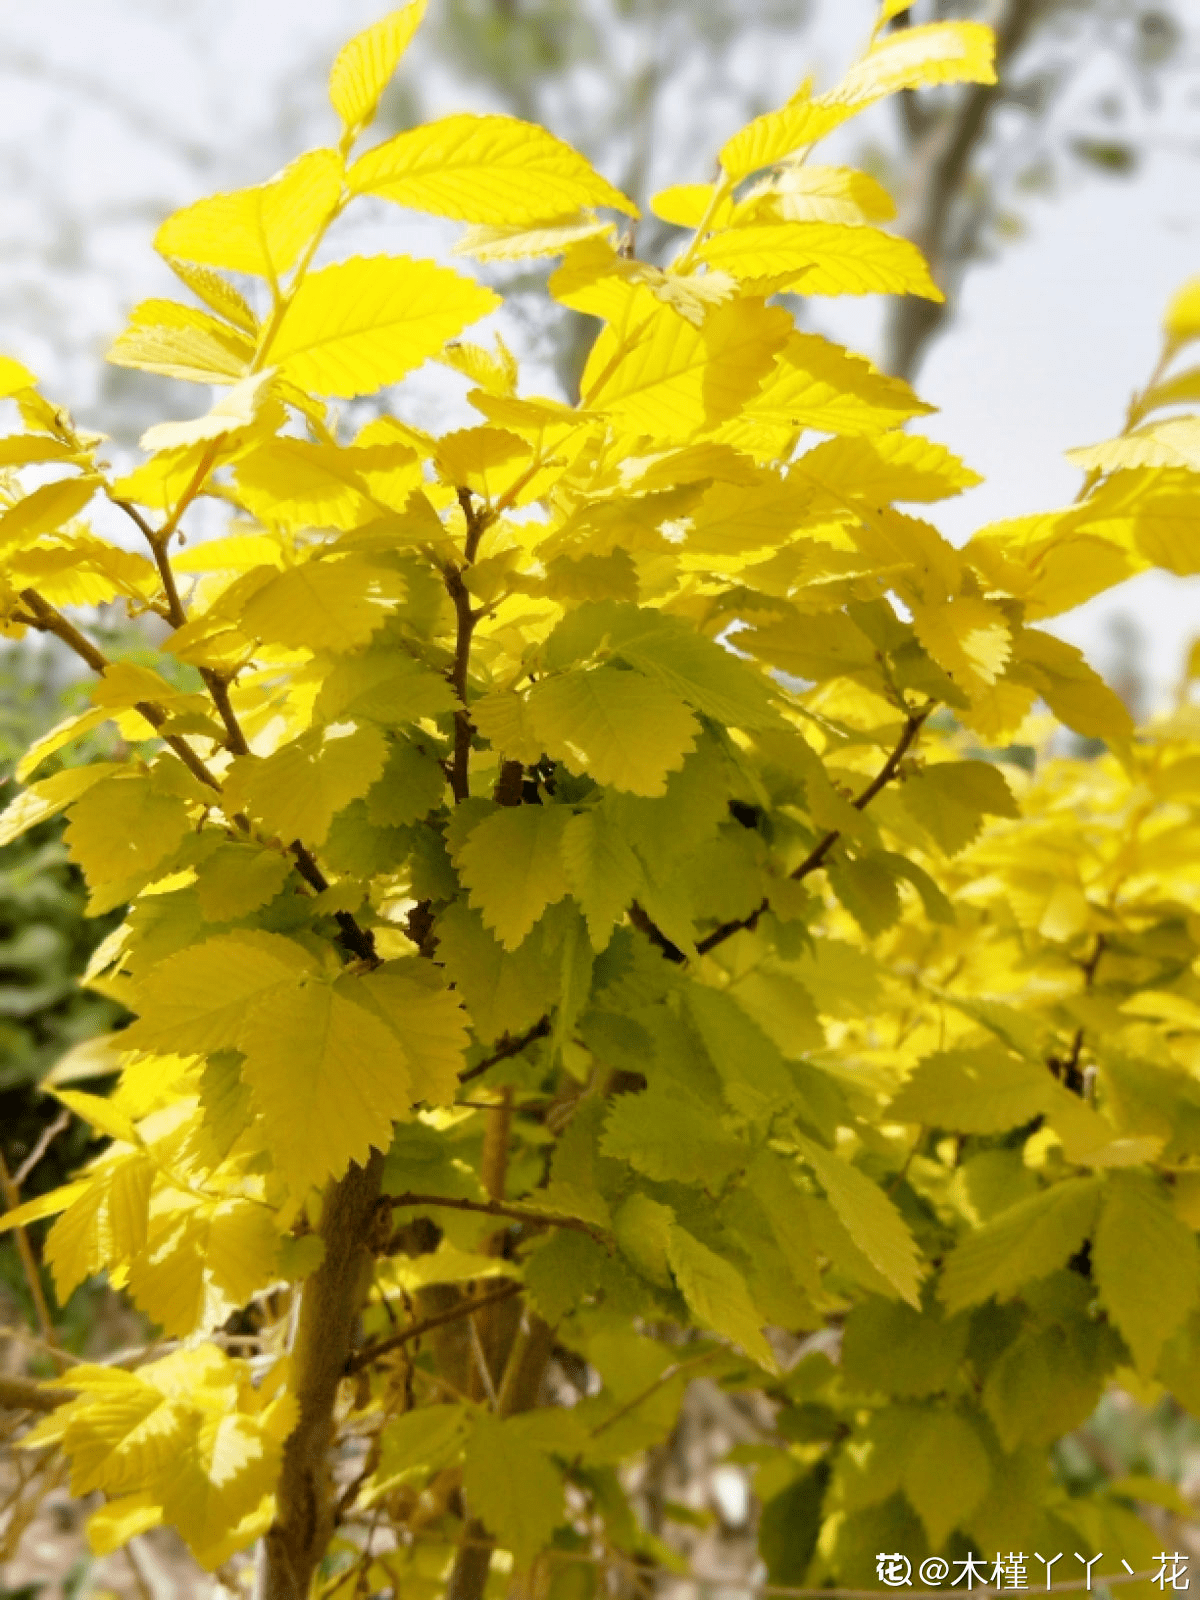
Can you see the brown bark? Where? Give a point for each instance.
(940, 152)
(329, 1306)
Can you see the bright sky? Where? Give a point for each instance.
(113, 114)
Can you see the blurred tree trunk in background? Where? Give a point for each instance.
(960, 162)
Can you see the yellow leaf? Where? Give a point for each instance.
(1174, 443)
(429, 1022)
(323, 605)
(495, 242)
(484, 169)
(889, 466)
(122, 827)
(816, 384)
(364, 323)
(297, 791)
(261, 230)
(817, 194)
(14, 377)
(966, 636)
(45, 1205)
(1181, 323)
(197, 999)
(101, 1113)
(45, 509)
(618, 727)
(310, 1047)
(777, 134)
(655, 373)
(64, 733)
(824, 258)
(364, 65)
(502, 717)
(237, 409)
(50, 796)
(180, 342)
(488, 460)
(218, 294)
(914, 58)
(122, 1519)
(686, 205)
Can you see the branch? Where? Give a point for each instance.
(940, 155)
(510, 1047)
(43, 616)
(23, 1394)
(499, 1208)
(415, 1330)
(329, 1307)
(12, 1199)
(456, 588)
(816, 856)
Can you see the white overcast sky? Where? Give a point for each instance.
(113, 112)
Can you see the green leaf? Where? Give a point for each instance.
(1023, 1243)
(710, 678)
(513, 1486)
(974, 1091)
(898, 1349)
(411, 785)
(752, 1070)
(238, 878)
(504, 992)
(717, 1295)
(947, 1473)
(1146, 1265)
(602, 870)
(870, 1218)
(429, 1022)
(672, 1137)
(512, 865)
(618, 727)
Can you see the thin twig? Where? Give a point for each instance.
(467, 618)
(509, 1047)
(33, 1277)
(651, 1389)
(816, 856)
(416, 1330)
(48, 1134)
(498, 1208)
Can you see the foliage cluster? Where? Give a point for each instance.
(603, 906)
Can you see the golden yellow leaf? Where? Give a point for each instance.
(655, 373)
(364, 323)
(261, 230)
(493, 170)
(364, 65)
(824, 258)
(180, 342)
(781, 133)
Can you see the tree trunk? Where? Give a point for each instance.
(329, 1306)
